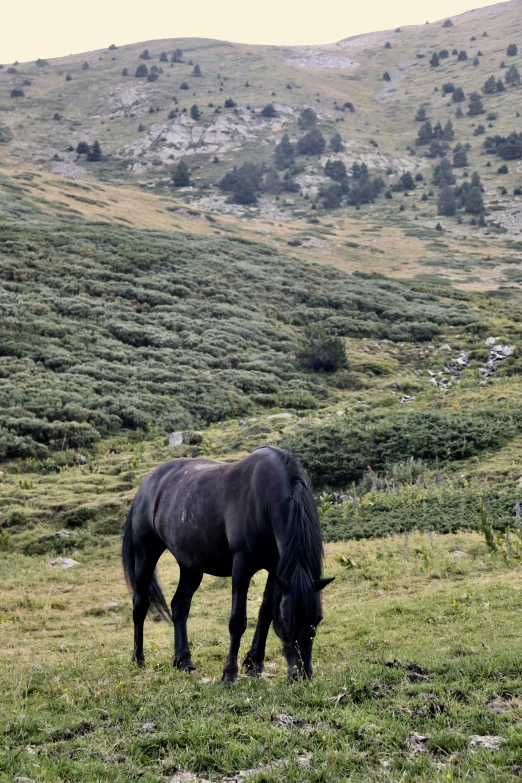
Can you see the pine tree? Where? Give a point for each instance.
(163, 57)
(195, 112)
(181, 176)
(458, 95)
(474, 201)
(500, 85)
(443, 174)
(489, 86)
(284, 153)
(421, 114)
(446, 202)
(425, 134)
(142, 71)
(434, 61)
(448, 134)
(512, 76)
(196, 71)
(475, 105)
(476, 182)
(307, 119)
(460, 158)
(177, 56)
(95, 153)
(462, 56)
(512, 50)
(336, 143)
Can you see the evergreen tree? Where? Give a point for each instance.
(386, 76)
(421, 114)
(448, 88)
(85, 66)
(163, 57)
(425, 134)
(489, 86)
(462, 56)
(448, 134)
(434, 61)
(475, 105)
(407, 181)
(195, 112)
(512, 76)
(177, 56)
(284, 153)
(307, 119)
(331, 196)
(269, 111)
(335, 169)
(145, 55)
(443, 54)
(446, 202)
(336, 143)
(512, 50)
(443, 174)
(142, 71)
(500, 85)
(312, 143)
(476, 181)
(83, 148)
(95, 153)
(474, 201)
(458, 95)
(437, 131)
(125, 72)
(196, 71)
(460, 158)
(181, 176)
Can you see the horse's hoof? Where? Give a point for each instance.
(253, 668)
(140, 662)
(229, 677)
(185, 666)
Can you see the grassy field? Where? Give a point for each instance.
(418, 655)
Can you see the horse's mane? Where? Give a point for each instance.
(302, 545)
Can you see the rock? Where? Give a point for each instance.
(63, 562)
(175, 439)
(405, 398)
(111, 604)
(242, 423)
(417, 743)
(82, 459)
(445, 347)
(519, 483)
(287, 721)
(490, 340)
(312, 58)
(62, 534)
(149, 726)
(486, 742)
(280, 416)
(458, 553)
(21, 779)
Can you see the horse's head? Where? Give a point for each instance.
(297, 613)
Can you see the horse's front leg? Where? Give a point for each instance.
(255, 657)
(241, 576)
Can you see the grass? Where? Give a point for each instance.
(74, 708)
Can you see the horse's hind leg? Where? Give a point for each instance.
(255, 657)
(145, 563)
(189, 581)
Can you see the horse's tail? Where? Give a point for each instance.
(156, 596)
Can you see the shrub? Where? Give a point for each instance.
(83, 148)
(448, 23)
(145, 55)
(125, 72)
(443, 54)
(85, 66)
(41, 63)
(458, 95)
(503, 169)
(448, 88)
(434, 60)
(479, 130)
(386, 76)
(142, 71)
(16, 92)
(462, 56)
(196, 71)
(177, 56)
(321, 351)
(230, 103)
(183, 86)
(68, 78)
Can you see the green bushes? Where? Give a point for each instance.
(337, 454)
(107, 328)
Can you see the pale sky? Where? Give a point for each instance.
(53, 28)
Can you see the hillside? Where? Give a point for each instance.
(145, 128)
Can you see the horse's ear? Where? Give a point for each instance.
(320, 584)
(283, 584)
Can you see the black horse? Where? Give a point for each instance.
(230, 519)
